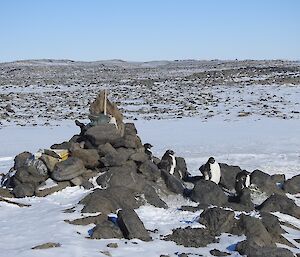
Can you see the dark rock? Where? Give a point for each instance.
(106, 230)
(128, 141)
(21, 159)
(22, 190)
(130, 129)
(152, 197)
(251, 249)
(90, 157)
(64, 145)
(139, 157)
(150, 170)
(29, 174)
(88, 220)
(112, 245)
(102, 134)
(264, 182)
(245, 199)
(181, 171)
(68, 169)
(216, 252)
(217, 220)
(278, 179)
(111, 156)
(280, 203)
(87, 185)
(47, 191)
(191, 237)
(292, 185)
(131, 225)
(207, 193)
(5, 192)
(125, 153)
(125, 175)
(254, 230)
(46, 246)
(111, 199)
(173, 183)
(272, 225)
(228, 174)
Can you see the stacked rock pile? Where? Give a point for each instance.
(110, 160)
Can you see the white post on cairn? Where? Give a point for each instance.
(105, 97)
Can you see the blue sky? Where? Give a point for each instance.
(142, 30)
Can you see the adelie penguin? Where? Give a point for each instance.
(168, 162)
(147, 148)
(211, 170)
(242, 180)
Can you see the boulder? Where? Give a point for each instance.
(102, 134)
(150, 171)
(139, 157)
(68, 169)
(152, 197)
(41, 191)
(49, 161)
(128, 141)
(251, 249)
(110, 156)
(273, 227)
(106, 230)
(90, 157)
(245, 199)
(125, 176)
(29, 174)
(208, 193)
(216, 252)
(228, 174)
(254, 230)
(191, 237)
(292, 185)
(280, 203)
(125, 153)
(131, 225)
(130, 129)
(173, 183)
(278, 179)
(264, 182)
(181, 171)
(21, 159)
(98, 219)
(22, 190)
(64, 145)
(111, 199)
(217, 220)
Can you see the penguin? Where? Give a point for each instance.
(242, 180)
(211, 170)
(147, 150)
(168, 162)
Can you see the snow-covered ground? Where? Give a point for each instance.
(269, 144)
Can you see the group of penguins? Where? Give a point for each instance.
(210, 170)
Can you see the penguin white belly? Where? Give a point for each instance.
(215, 172)
(247, 182)
(172, 169)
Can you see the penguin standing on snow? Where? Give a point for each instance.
(242, 180)
(147, 148)
(211, 170)
(168, 162)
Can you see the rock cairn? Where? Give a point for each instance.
(109, 159)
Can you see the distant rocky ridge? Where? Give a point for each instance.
(121, 177)
(42, 92)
